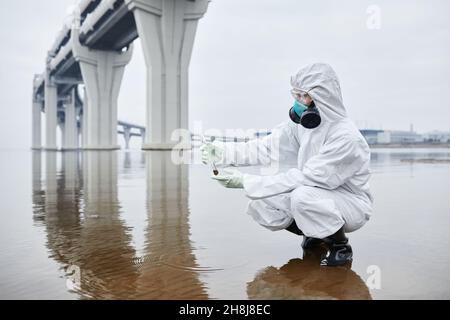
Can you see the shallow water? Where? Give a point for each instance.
(132, 225)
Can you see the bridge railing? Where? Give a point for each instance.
(60, 40)
(92, 11)
(87, 6)
(93, 17)
(62, 54)
(130, 125)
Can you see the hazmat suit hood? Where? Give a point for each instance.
(322, 84)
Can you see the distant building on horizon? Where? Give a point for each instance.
(376, 136)
(398, 137)
(437, 136)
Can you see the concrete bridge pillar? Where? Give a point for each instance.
(70, 141)
(142, 132)
(167, 31)
(36, 122)
(127, 136)
(79, 115)
(36, 125)
(62, 126)
(51, 110)
(83, 120)
(102, 72)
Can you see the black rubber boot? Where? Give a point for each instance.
(309, 243)
(339, 250)
(294, 229)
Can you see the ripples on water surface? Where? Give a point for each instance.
(131, 225)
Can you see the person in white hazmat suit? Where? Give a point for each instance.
(326, 194)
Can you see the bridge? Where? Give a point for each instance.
(70, 138)
(94, 51)
(129, 130)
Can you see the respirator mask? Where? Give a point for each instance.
(307, 116)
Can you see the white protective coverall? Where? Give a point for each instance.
(327, 187)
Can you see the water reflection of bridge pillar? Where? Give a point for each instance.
(51, 184)
(36, 159)
(71, 171)
(168, 268)
(100, 178)
(36, 183)
(107, 254)
(84, 231)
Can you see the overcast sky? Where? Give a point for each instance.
(245, 53)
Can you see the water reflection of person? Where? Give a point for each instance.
(306, 279)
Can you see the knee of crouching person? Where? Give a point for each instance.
(300, 196)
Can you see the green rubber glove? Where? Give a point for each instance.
(212, 152)
(230, 178)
